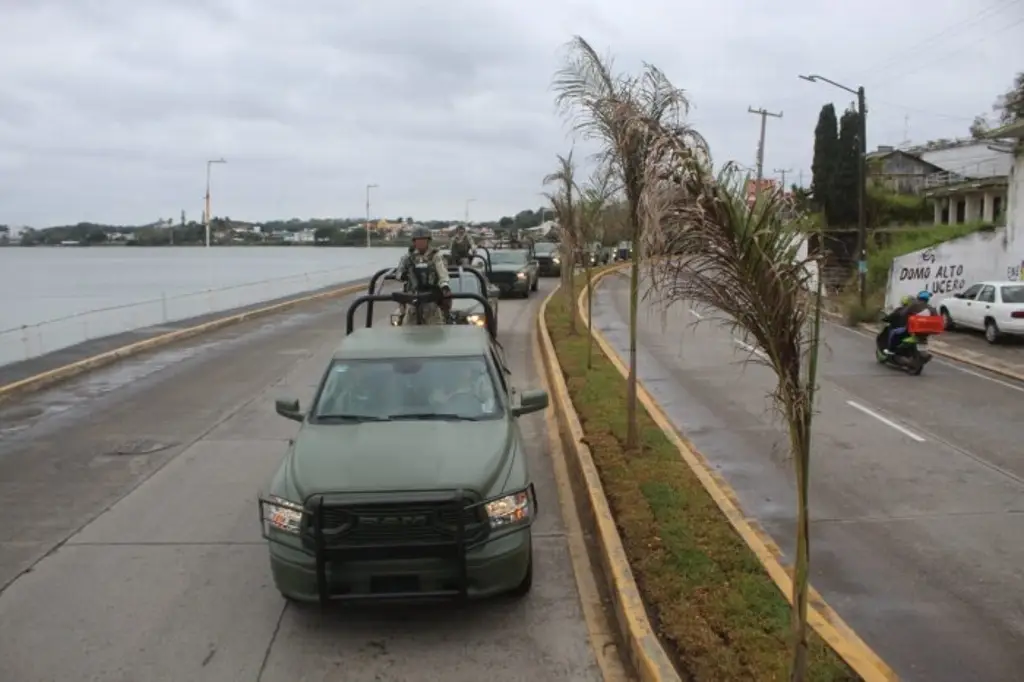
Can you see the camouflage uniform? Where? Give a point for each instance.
(462, 248)
(423, 272)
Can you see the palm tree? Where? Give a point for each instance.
(594, 200)
(743, 261)
(621, 112)
(564, 205)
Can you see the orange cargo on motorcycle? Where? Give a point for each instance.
(925, 324)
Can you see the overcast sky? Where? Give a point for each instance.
(109, 109)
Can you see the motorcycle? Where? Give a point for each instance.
(912, 353)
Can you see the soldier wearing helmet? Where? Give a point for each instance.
(423, 270)
(462, 246)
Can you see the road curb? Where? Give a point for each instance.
(50, 377)
(826, 622)
(648, 657)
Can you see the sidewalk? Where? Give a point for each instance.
(17, 371)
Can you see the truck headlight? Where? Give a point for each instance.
(556, 260)
(520, 275)
(280, 514)
(510, 510)
(476, 319)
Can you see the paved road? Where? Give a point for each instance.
(131, 552)
(917, 484)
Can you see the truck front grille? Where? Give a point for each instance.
(369, 524)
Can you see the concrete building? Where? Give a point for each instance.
(973, 182)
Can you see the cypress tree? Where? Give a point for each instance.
(845, 184)
(826, 157)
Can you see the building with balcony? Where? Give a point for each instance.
(973, 183)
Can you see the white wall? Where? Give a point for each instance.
(1015, 200)
(953, 266)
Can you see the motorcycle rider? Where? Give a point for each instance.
(423, 270)
(898, 318)
(462, 246)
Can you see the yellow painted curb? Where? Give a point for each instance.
(58, 374)
(644, 648)
(826, 622)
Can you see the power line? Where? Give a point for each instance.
(949, 53)
(986, 13)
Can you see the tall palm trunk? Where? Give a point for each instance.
(632, 428)
(569, 282)
(800, 436)
(590, 317)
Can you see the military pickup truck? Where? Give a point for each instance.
(407, 477)
(514, 271)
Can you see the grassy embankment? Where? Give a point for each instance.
(719, 614)
(886, 245)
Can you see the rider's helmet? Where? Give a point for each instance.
(421, 233)
(924, 296)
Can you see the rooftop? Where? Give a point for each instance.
(386, 341)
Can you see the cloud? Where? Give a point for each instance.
(110, 108)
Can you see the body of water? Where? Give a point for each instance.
(54, 297)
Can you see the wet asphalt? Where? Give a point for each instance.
(917, 483)
(131, 550)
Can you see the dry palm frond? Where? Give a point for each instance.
(744, 260)
(564, 201)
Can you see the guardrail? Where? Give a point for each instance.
(32, 340)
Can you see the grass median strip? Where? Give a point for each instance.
(716, 609)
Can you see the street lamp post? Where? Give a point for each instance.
(209, 164)
(862, 218)
(468, 202)
(368, 188)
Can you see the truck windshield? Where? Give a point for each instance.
(410, 389)
(464, 284)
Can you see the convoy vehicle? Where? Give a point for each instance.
(514, 271)
(996, 308)
(408, 477)
(624, 251)
(549, 263)
(462, 279)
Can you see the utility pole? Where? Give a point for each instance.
(862, 216)
(206, 217)
(782, 172)
(468, 202)
(368, 188)
(764, 114)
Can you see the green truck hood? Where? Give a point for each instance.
(384, 456)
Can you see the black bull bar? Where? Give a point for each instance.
(328, 546)
(415, 299)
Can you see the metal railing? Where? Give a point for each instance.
(39, 338)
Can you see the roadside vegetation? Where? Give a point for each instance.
(885, 245)
(699, 237)
(715, 608)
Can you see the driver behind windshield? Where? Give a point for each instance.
(465, 390)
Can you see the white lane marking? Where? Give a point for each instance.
(952, 364)
(885, 420)
(750, 349)
(696, 314)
